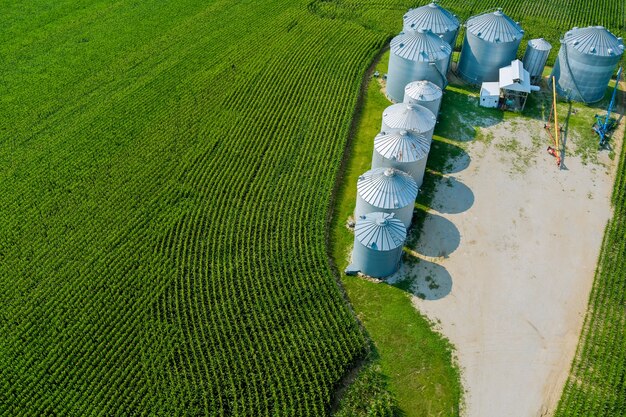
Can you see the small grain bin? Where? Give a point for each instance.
(416, 55)
(535, 58)
(585, 64)
(491, 42)
(403, 150)
(404, 116)
(434, 18)
(425, 94)
(387, 190)
(378, 241)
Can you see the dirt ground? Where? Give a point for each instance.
(506, 262)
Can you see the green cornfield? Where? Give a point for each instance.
(166, 173)
(596, 385)
(166, 176)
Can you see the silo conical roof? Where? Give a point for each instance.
(420, 45)
(423, 90)
(431, 16)
(380, 231)
(409, 117)
(594, 40)
(387, 188)
(540, 44)
(494, 27)
(402, 146)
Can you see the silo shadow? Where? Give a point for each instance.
(447, 158)
(423, 279)
(438, 237)
(451, 196)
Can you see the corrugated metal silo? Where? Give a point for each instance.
(535, 58)
(378, 241)
(416, 55)
(491, 42)
(586, 61)
(403, 150)
(387, 190)
(434, 18)
(425, 94)
(404, 116)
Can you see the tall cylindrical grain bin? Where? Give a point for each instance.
(586, 61)
(434, 18)
(535, 58)
(387, 190)
(404, 116)
(378, 241)
(403, 150)
(416, 55)
(425, 94)
(491, 42)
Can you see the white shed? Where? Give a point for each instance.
(490, 94)
(515, 86)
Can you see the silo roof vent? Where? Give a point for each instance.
(402, 146)
(433, 17)
(420, 45)
(387, 188)
(492, 26)
(594, 40)
(380, 231)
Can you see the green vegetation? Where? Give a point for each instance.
(166, 171)
(407, 355)
(595, 386)
(166, 174)
(368, 396)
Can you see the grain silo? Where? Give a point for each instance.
(491, 42)
(404, 116)
(378, 241)
(403, 150)
(387, 190)
(434, 18)
(425, 94)
(416, 55)
(585, 64)
(535, 58)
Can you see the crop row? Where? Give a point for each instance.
(595, 386)
(164, 207)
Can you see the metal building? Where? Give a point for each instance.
(425, 94)
(404, 116)
(403, 150)
(585, 64)
(378, 241)
(535, 58)
(387, 190)
(434, 18)
(416, 55)
(491, 42)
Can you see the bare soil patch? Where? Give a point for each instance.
(506, 262)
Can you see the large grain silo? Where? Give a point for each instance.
(403, 150)
(434, 18)
(387, 190)
(425, 94)
(585, 64)
(535, 58)
(416, 55)
(404, 116)
(378, 241)
(491, 42)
